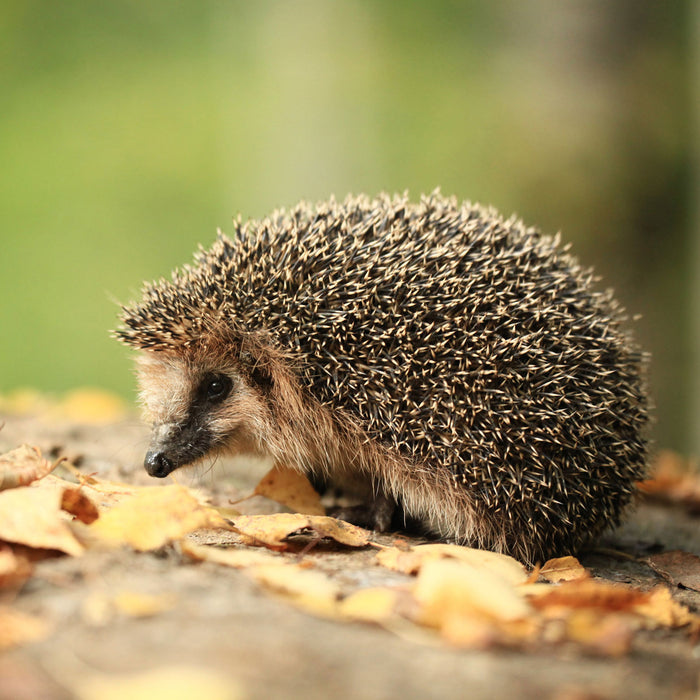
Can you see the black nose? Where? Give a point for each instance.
(158, 464)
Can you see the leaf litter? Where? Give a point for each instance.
(461, 596)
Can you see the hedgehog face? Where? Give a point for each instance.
(195, 411)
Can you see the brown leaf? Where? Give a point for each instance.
(15, 569)
(678, 567)
(273, 530)
(75, 502)
(563, 569)
(587, 593)
(154, 516)
(292, 489)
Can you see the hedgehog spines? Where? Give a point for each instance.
(471, 347)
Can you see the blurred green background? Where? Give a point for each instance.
(130, 130)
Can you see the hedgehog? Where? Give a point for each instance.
(441, 363)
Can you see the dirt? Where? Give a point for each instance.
(223, 622)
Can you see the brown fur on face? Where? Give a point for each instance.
(273, 416)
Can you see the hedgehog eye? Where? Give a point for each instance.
(216, 388)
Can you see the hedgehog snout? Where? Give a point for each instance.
(174, 445)
(158, 464)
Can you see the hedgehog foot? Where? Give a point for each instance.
(376, 515)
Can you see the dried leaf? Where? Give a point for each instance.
(22, 466)
(563, 569)
(17, 628)
(272, 530)
(607, 634)
(100, 609)
(371, 605)
(14, 568)
(446, 588)
(292, 489)
(75, 502)
(674, 478)
(234, 557)
(91, 406)
(154, 516)
(677, 567)
(661, 609)
(33, 516)
(171, 682)
(311, 590)
(586, 593)
(410, 561)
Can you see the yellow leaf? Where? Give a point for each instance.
(18, 628)
(171, 682)
(661, 609)
(154, 516)
(563, 569)
(99, 609)
(412, 560)
(609, 634)
(273, 530)
(292, 489)
(234, 557)
(33, 516)
(89, 405)
(371, 605)
(445, 588)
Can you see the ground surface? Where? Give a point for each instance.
(223, 622)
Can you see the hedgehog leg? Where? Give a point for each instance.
(376, 515)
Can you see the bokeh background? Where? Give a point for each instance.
(130, 131)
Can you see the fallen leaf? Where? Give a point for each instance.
(371, 605)
(171, 682)
(22, 466)
(563, 569)
(662, 610)
(272, 530)
(606, 634)
(18, 628)
(449, 587)
(91, 406)
(313, 591)
(236, 558)
(586, 593)
(33, 516)
(100, 609)
(75, 502)
(674, 478)
(14, 568)
(154, 516)
(677, 567)
(292, 489)
(410, 561)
